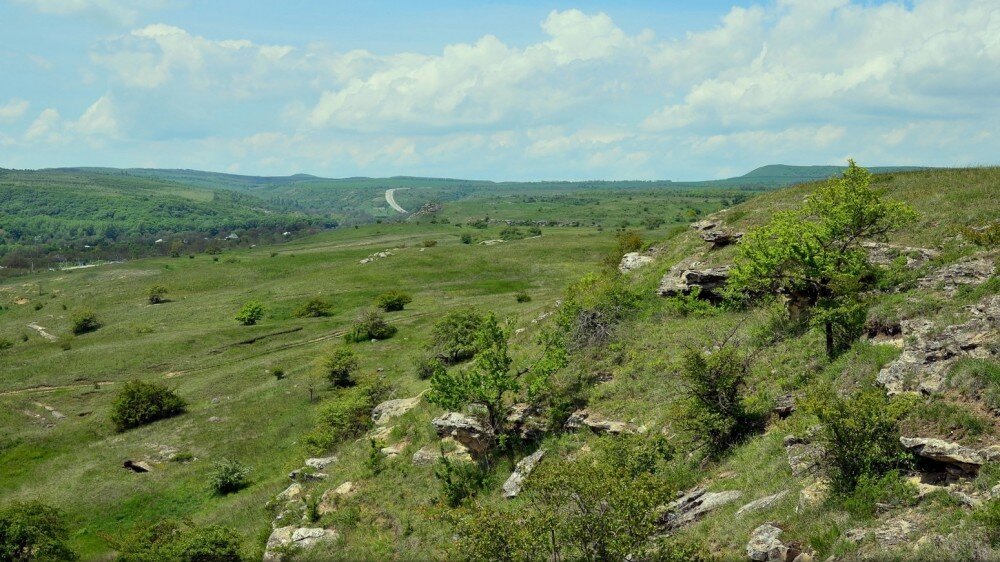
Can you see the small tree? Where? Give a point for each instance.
(370, 325)
(338, 365)
(466, 238)
(157, 294)
(814, 255)
(251, 313)
(229, 476)
(392, 301)
(84, 321)
(33, 531)
(139, 403)
(313, 308)
(715, 384)
(453, 337)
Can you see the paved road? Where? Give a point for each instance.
(390, 198)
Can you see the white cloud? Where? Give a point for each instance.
(45, 127)
(13, 109)
(98, 120)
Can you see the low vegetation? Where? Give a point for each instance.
(139, 403)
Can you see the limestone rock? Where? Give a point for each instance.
(632, 261)
(465, 430)
(527, 421)
(390, 409)
(721, 238)
(784, 406)
(285, 539)
(306, 475)
(682, 281)
(972, 271)
(804, 456)
(704, 224)
(761, 504)
(765, 546)
(512, 487)
(292, 492)
(813, 495)
(319, 463)
(894, 532)
(598, 424)
(957, 458)
(394, 450)
(427, 455)
(693, 505)
(880, 253)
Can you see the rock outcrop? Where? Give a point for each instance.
(512, 487)
(762, 504)
(804, 456)
(704, 224)
(957, 459)
(693, 505)
(880, 253)
(929, 352)
(633, 260)
(721, 238)
(527, 421)
(386, 411)
(683, 281)
(972, 271)
(598, 424)
(765, 545)
(284, 540)
(466, 430)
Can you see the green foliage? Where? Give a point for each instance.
(156, 294)
(139, 403)
(392, 301)
(84, 321)
(338, 365)
(511, 233)
(228, 476)
(370, 325)
(314, 308)
(522, 297)
(871, 491)
(6, 343)
(626, 241)
(814, 254)
(594, 307)
(716, 383)
(251, 313)
(346, 415)
(988, 516)
(33, 531)
(987, 236)
(466, 238)
(429, 243)
(453, 337)
(690, 305)
(375, 463)
(860, 434)
(428, 366)
(175, 542)
(459, 480)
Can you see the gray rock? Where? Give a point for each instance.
(880, 253)
(761, 504)
(512, 487)
(632, 261)
(894, 532)
(285, 539)
(466, 430)
(306, 475)
(693, 505)
(680, 281)
(598, 424)
(784, 406)
(390, 409)
(765, 546)
(972, 271)
(527, 421)
(958, 459)
(705, 224)
(721, 238)
(427, 455)
(319, 463)
(804, 456)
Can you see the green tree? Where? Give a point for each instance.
(84, 321)
(814, 256)
(313, 308)
(228, 476)
(370, 325)
(139, 403)
(453, 337)
(392, 301)
(251, 313)
(338, 365)
(156, 294)
(33, 531)
(715, 385)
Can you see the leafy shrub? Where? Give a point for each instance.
(6, 343)
(466, 238)
(139, 403)
(690, 305)
(370, 325)
(313, 308)
(987, 236)
(594, 307)
(228, 476)
(453, 337)
(83, 322)
(428, 366)
(459, 480)
(626, 241)
(522, 297)
(988, 515)
(861, 434)
(251, 313)
(33, 531)
(169, 540)
(871, 491)
(276, 372)
(534, 231)
(429, 243)
(478, 223)
(511, 233)
(716, 384)
(338, 365)
(156, 294)
(393, 301)
(346, 415)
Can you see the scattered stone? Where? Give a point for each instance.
(632, 261)
(680, 281)
(929, 353)
(761, 504)
(804, 456)
(137, 466)
(390, 409)
(721, 238)
(346, 489)
(376, 256)
(784, 406)
(491, 242)
(319, 463)
(394, 450)
(856, 535)
(512, 487)
(426, 455)
(765, 546)
(880, 253)
(56, 414)
(894, 532)
(214, 419)
(958, 459)
(704, 224)
(972, 271)
(693, 505)
(465, 430)
(813, 495)
(292, 492)
(381, 433)
(527, 421)
(288, 539)
(307, 475)
(598, 424)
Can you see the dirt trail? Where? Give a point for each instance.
(390, 198)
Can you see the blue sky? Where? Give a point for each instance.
(508, 90)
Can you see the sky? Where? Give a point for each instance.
(518, 90)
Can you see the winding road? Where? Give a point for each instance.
(390, 198)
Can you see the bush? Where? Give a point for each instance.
(428, 366)
(6, 343)
(314, 308)
(83, 322)
(393, 301)
(522, 297)
(511, 233)
(870, 492)
(534, 231)
(156, 294)
(594, 307)
(715, 384)
(626, 241)
(370, 326)
(861, 434)
(169, 540)
(346, 415)
(459, 480)
(228, 476)
(33, 531)
(251, 313)
(453, 337)
(139, 403)
(338, 365)
(988, 515)
(429, 243)
(466, 238)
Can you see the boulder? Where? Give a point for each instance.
(512, 487)
(427, 455)
(709, 282)
(328, 502)
(958, 459)
(721, 238)
(765, 546)
(894, 532)
(390, 409)
(284, 540)
(804, 456)
(761, 504)
(307, 474)
(292, 492)
(319, 463)
(880, 253)
(928, 352)
(632, 261)
(693, 505)
(704, 224)
(784, 406)
(972, 271)
(394, 450)
(527, 421)
(466, 430)
(598, 424)
(813, 495)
